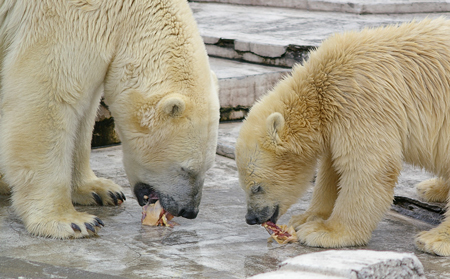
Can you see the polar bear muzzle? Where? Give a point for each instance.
(147, 194)
(263, 215)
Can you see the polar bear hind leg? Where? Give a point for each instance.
(433, 190)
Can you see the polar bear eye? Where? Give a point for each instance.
(257, 189)
(187, 171)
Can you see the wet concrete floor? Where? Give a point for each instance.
(217, 244)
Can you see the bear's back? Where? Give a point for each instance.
(376, 67)
(396, 77)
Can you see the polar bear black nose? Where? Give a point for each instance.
(189, 214)
(252, 219)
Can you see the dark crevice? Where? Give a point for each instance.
(425, 212)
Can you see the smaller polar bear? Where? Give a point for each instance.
(56, 59)
(362, 103)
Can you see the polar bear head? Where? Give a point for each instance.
(275, 156)
(169, 142)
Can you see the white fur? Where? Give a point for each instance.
(56, 56)
(362, 103)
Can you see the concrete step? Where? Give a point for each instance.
(242, 84)
(350, 6)
(279, 36)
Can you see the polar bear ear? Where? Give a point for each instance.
(275, 123)
(173, 106)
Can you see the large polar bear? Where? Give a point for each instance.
(150, 61)
(362, 103)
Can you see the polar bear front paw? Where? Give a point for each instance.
(72, 224)
(319, 233)
(435, 241)
(433, 190)
(298, 220)
(98, 191)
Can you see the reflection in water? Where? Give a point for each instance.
(181, 237)
(167, 253)
(259, 264)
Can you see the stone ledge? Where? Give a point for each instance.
(349, 6)
(267, 54)
(242, 84)
(277, 36)
(354, 264)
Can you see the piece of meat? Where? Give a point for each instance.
(281, 234)
(153, 214)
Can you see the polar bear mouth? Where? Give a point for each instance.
(145, 194)
(152, 198)
(274, 217)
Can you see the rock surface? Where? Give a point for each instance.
(356, 264)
